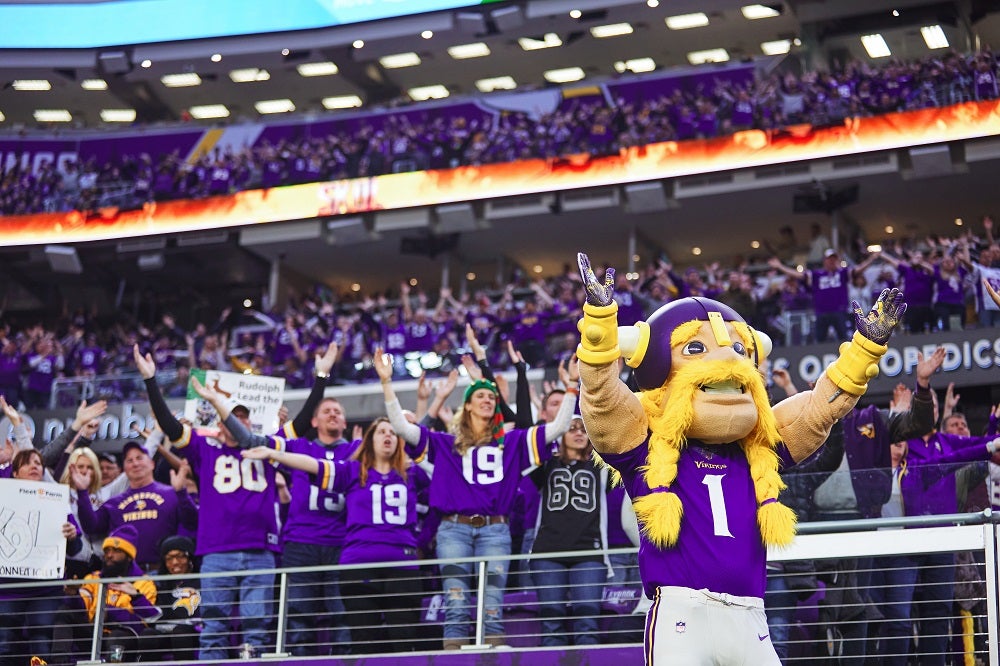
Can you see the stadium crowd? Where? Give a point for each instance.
(472, 134)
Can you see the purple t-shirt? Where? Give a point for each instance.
(315, 515)
(381, 514)
(238, 496)
(485, 479)
(719, 547)
(43, 371)
(918, 285)
(829, 290)
(156, 511)
(950, 289)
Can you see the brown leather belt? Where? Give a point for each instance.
(476, 519)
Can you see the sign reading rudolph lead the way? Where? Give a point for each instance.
(31, 517)
(261, 395)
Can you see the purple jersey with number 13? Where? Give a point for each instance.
(719, 527)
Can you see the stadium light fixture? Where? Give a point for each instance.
(267, 106)
(636, 65)
(94, 84)
(777, 47)
(359, 44)
(934, 37)
(708, 56)
(875, 45)
(184, 80)
(474, 50)
(400, 60)
(53, 116)
(496, 83)
(754, 12)
(565, 75)
(325, 68)
(686, 21)
(424, 93)
(146, 64)
(249, 75)
(209, 111)
(2, 117)
(548, 41)
(118, 115)
(611, 30)
(216, 57)
(427, 34)
(342, 102)
(31, 84)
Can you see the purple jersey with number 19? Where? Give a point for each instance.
(719, 547)
(484, 480)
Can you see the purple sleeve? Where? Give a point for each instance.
(187, 513)
(93, 522)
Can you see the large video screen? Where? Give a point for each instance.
(124, 22)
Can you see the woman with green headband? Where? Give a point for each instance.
(477, 467)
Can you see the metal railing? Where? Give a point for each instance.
(854, 566)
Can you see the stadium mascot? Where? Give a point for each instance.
(699, 449)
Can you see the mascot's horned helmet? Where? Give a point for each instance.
(646, 346)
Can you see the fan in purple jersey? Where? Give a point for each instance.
(699, 450)
(381, 488)
(477, 468)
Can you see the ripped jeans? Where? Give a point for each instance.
(457, 540)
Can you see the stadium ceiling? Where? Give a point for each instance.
(520, 38)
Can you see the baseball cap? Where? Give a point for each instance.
(240, 405)
(133, 444)
(108, 456)
(830, 252)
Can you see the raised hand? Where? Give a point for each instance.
(324, 362)
(927, 366)
(569, 372)
(145, 364)
(902, 398)
(258, 453)
(471, 367)
(179, 476)
(473, 342)
(878, 323)
(9, 411)
(598, 293)
(81, 480)
(382, 363)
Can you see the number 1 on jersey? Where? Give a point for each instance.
(718, 502)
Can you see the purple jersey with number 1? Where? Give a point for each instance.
(238, 507)
(484, 480)
(719, 547)
(381, 514)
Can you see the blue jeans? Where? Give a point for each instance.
(314, 599)
(457, 540)
(581, 584)
(254, 594)
(34, 616)
(625, 567)
(934, 575)
(780, 605)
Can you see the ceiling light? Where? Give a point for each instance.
(94, 84)
(653, 3)
(696, 251)
(612, 30)
(31, 84)
(285, 52)
(934, 37)
(550, 40)
(2, 117)
(355, 287)
(342, 102)
(274, 106)
(146, 64)
(184, 80)
(753, 12)
(325, 68)
(707, 56)
(359, 43)
(776, 47)
(53, 116)
(537, 268)
(889, 229)
(118, 115)
(496, 83)
(423, 93)
(470, 276)
(755, 244)
(636, 65)
(566, 75)
(398, 60)
(575, 14)
(895, 12)
(216, 57)
(876, 46)
(249, 75)
(463, 51)
(208, 111)
(685, 21)
(427, 34)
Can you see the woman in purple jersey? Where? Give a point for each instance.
(381, 489)
(477, 468)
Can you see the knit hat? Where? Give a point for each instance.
(123, 538)
(181, 543)
(496, 423)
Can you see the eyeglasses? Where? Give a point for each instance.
(577, 427)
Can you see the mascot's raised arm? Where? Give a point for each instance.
(699, 449)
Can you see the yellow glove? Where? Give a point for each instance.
(857, 363)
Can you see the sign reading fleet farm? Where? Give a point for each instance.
(971, 358)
